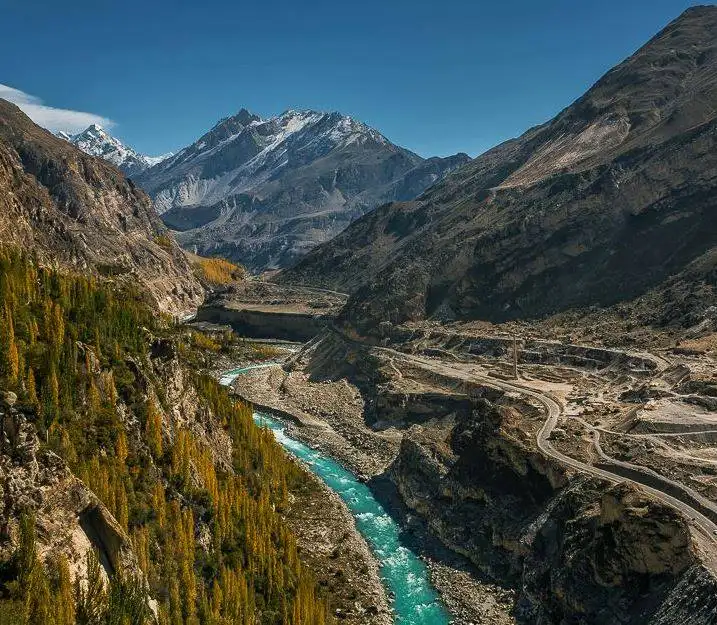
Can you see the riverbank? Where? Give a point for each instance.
(404, 575)
(331, 546)
(329, 417)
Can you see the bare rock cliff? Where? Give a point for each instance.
(69, 518)
(579, 550)
(81, 212)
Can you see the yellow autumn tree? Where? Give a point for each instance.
(153, 429)
(121, 449)
(31, 386)
(64, 601)
(9, 356)
(38, 609)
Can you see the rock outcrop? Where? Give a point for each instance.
(78, 211)
(579, 550)
(69, 518)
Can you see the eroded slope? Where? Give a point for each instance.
(603, 203)
(79, 211)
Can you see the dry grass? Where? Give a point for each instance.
(706, 343)
(264, 352)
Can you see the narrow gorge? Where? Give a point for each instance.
(414, 602)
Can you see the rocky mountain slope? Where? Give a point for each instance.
(69, 516)
(96, 141)
(81, 212)
(579, 551)
(265, 191)
(606, 201)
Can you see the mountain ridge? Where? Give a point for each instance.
(597, 206)
(264, 191)
(80, 212)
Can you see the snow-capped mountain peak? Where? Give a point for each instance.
(264, 191)
(96, 141)
(243, 151)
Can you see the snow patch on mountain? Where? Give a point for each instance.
(263, 192)
(154, 160)
(96, 141)
(261, 150)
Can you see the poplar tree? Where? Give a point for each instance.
(31, 389)
(9, 356)
(153, 429)
(64, 601)
(121, 450)
(38, 602)
(90, 595)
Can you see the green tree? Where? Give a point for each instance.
(90, 595)
(38, 601)
(26, 554)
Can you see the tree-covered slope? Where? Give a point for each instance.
(131, 483)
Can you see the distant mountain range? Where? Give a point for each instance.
(96, 141)
(265, 191)
(614, 197)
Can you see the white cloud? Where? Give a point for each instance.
(49, 117)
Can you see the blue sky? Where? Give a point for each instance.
(437, 77)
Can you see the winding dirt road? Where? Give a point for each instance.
(701, 512)
(691, 504)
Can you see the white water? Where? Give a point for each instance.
(404, 575)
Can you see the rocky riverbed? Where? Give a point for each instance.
(340, 558)
(328, 415)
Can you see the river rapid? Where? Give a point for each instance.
(404, 575)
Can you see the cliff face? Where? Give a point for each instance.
(78, 211)
(70, 519)
(580, 551)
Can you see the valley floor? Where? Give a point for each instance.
(328, 415)
(624, 415)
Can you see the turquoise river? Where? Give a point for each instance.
(403, 574)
